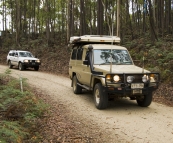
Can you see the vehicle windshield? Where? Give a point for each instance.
(119, 57)
(25, 54)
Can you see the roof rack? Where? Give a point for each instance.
(94, 39)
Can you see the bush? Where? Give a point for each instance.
(18, 110)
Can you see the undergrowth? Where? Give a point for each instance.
(19, 110)
(158, 56)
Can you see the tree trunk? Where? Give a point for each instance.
(100, 18)
(71, 22)
(118, 18)
(129, 19)
(152, 24)
(17, 22)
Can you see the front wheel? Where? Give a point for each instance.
(36, 68)
(100, 98)
(77, 89)
(146, 100)
(9, 64)
(21, 67)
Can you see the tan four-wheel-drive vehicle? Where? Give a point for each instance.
(99, 64)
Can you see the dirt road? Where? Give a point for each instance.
(123, 120)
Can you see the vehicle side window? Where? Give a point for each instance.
(87, 56)
(73, 56)
(16, 54)
(79, 53)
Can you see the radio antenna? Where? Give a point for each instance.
(111, 50)
(143, 64)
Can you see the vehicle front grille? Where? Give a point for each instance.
(31, 61)
(137, 77)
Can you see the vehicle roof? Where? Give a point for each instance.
(18, 51)
(105, 46)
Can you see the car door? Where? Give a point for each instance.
(12, 58)
(78, 63)
(85, 69)
(15, 59)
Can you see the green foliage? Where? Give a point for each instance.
(169, 56)
(158, 56)
(12, 132)
(8, 72)
(19, 109)
(159, 44)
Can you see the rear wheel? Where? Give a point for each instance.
(9, 64)
(100, 98)
(146, 100)
(21, 67)
(77, 89)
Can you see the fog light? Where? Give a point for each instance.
(130, 79)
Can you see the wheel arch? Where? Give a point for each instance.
(73, 74)
(95, 81)
(19, 62)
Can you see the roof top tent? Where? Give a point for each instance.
(91, 39)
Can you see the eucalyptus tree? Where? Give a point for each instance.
(133, 18)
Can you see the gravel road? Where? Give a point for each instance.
(122, 121)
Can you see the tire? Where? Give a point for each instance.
(146, 101)
(21, 67)
(9, 64)
(36, 68)
(100, 98)
(77, 89)
(132, 98)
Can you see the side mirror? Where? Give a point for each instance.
(86, 62)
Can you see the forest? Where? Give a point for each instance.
(44, 27)
(144, 26)
(125, 18)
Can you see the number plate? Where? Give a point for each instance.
(137, 91)
(33, 63)
(137, 85)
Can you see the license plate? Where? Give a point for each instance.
(33, 63)
(137, 91)
(137, 85)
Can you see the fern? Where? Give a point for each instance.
(12, 131)
(20, 110)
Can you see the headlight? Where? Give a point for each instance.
(38, 61)
(130, 79)
(145, 78)
(112, 78)
(116, 78)
(26, 61)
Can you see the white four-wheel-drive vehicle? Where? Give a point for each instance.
(22, 59)
(98, 64)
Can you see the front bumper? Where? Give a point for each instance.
(124, 91)
(31, 64)
(137, 87)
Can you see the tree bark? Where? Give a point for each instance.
(100, 18)
(152, 24)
